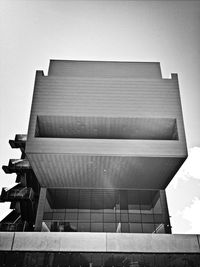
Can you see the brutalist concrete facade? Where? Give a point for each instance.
(104, 141)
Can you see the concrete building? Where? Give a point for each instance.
(104, 141)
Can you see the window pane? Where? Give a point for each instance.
(123, 200)
(85, 199)
(83, 227)
(58, 216)
(109, 227)
(135, 227)
(48, 215)
(96, 227)
(72, 199)
(147, 218)
(133, 201)
(109, 217)
(156, 202)
(125, 227)
(148, 227)
(124, 217)
(96, 217)
(60, 259)
(108, 260)
(149, 260)
(135, 217)
(84, 216)
(74, 259)
(97, 200)
(146, 201)
(158, 218)
(71, 216)
(160, 228)
(97, 260)
(109, 200)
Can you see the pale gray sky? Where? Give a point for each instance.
(32, 32)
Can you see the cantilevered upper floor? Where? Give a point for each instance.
(105, 124)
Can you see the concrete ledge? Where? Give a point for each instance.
(152, 243)
(42, 241)
(99, 242)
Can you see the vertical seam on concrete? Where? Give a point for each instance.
(12, 241)
(106, 242)
(198, 241)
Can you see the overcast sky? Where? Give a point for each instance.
(33, 32)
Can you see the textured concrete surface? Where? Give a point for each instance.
(6, 240)
(98, 98)
(83, 242)
(99, 242)
(154, 243)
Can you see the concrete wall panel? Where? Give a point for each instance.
(99, 242)
(152, 243)
(30, 241)
(83, 242)
(6, 240)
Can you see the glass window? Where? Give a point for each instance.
(60, 259)
(48, 215)
(149, 260)
(149, 218)
(109, 200)
(109, 227)
(74, 259)
(72, 199)
(84, 216)
(83, 227)
(146, 201)
(58, 216)
(85, 199)
(160, 228)
(148, 227)
(133, 201)
(97, 200)
(123, 200)
(118, 217)
(109, 217)
(125, 227)
(124, 217)
(96, 217)
(122, 260)
(104, 205)
(135, 227)
(85, 260)
(97, 260)
(158, 218)
(135, 217)
(156, 202)
(96, 227)
(108, 260)
(71, 216)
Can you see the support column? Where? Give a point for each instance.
(40, 210)
(165, 211)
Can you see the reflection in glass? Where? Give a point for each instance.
(104, 210)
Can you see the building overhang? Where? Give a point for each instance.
(96, 123)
